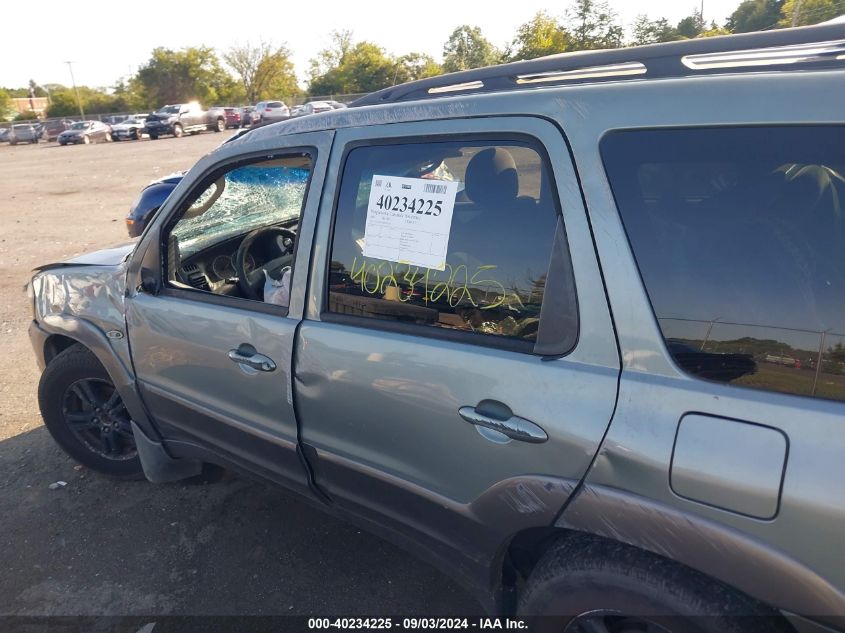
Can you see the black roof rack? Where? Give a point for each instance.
(821, 46)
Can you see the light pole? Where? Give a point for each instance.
(73, 81)
(795, 12)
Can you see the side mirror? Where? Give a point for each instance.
(150, 282)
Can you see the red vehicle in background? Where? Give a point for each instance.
(233, 117)
(54, 127)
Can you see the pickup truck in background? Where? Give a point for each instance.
(181, 118)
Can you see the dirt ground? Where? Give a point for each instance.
(100, 547)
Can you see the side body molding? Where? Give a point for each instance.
(709, 547)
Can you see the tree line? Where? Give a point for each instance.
(250, 73)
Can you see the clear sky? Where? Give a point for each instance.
(112, 40)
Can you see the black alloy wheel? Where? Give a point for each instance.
(83, 411)
(95, 414)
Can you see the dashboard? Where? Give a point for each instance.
(213, 269)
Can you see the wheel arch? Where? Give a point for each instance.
(528, 547)
(715, 550)
(51, 339)
(55, 344)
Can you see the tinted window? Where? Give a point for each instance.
(487, 275)
(738, 234)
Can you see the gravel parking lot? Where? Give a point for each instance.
(100, 547)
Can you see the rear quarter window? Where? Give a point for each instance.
(739, 237)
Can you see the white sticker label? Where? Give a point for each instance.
(409, 219)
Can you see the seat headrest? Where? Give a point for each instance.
(491, 177)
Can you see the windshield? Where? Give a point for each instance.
(79, 126)
(251, 196)
(171, 109)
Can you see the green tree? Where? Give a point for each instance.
(185, 75)
(714, 30)
(754, 15)
(541, 35)
(332, 55)
(468, 48)
(691, 26)
(6, 111)
(265, 71)
(416, 66)
(592, 24)
(94, 101)
(807, 12)
(647, 31)
(63, 103)
(363, 67)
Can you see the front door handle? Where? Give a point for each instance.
(254, 360)
(513, 426)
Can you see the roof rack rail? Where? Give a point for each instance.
(821, 46)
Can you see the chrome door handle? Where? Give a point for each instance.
(514, 427)
(256, 361)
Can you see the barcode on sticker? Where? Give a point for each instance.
(432, 188)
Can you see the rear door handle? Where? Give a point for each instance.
(514, 427)
(256, 361)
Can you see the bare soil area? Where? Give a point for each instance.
(101, 547)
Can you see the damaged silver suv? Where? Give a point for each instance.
(573, 329)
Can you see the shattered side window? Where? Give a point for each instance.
(243, 199)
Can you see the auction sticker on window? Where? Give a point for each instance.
(409, 219)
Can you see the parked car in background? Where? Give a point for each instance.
(178, 119)
(315, 107)
(271, 111)
(114, 119)
(85, 132)
(148, 202)
(131, 128)
(54, 127)
(248, 115)
(337, 105)
(233, 117)
(4, 134)
(296, 110)
(24, 133)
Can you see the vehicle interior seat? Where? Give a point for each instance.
(492, 189)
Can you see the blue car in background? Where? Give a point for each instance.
(149, 201)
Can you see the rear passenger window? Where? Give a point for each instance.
(460, 239)
(739, 235)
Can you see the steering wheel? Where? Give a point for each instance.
(252, 283)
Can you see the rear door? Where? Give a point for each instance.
(457, 366)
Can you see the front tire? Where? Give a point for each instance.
(84, 413)
(592, 585)
(221, 125)
(86, 139)
(153, 137)
(177, 130)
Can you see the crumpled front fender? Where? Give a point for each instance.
(86, 303)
